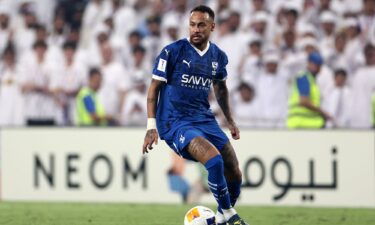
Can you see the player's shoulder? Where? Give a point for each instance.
(217, 50)
(175, 46)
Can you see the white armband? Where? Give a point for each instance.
(151, 123)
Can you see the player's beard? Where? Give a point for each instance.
(198, 40)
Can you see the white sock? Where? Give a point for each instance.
(228, 213)
(220, 217)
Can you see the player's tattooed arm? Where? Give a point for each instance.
(152, 135)
(222, 97)
(152, 97)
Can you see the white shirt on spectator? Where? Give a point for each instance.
(363, 87)
(11, 104)
(134, 110)
(115, 81)
(337, 104)
(39, 105)
(92, 17)
(272, 96)
(234, 53)
(69, 79)
(246, 114)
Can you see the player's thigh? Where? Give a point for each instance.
(201, 149)
(231, 166)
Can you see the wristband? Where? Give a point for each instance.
(151, 123)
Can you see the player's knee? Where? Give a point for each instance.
(215, 163)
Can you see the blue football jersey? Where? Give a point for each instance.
(188, 73)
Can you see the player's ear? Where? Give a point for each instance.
(213, 26)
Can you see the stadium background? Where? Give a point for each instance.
(63, 163)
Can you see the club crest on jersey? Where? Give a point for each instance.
(182, 139)
(215, 65)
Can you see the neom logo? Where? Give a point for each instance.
(45, 169)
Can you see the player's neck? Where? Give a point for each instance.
(201, 47)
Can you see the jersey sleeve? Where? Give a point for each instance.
(222, 67)
(89, 104)
(162, 63)
(303, 86)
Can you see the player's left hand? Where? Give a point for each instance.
(234, 131)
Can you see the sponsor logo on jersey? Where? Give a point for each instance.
(196, 82)
(186, 62)
(166, 51)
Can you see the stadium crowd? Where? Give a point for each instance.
(48, 48)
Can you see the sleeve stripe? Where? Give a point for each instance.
(156, 77)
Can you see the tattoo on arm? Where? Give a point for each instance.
(222, 97)
(150, 134)
(152, 98)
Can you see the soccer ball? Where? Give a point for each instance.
(200, 215)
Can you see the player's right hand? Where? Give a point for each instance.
(234, 131)
(151, 137)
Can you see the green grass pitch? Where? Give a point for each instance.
(152, 214)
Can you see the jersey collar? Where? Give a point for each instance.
(201, 53)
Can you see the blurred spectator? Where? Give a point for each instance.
(90, 111)
(245, 110)
(234, 53)
(328, 24)
(134, 108)
(24, 27)
(37, 75)
(125, 18)
(259, 27)
(272, 93)
(337, 102)
(304, 103)
(92, 17)
(140, 67)
(170, 27)
(251, 65)
(152, 41)
(116, 82)
(367, 17)
(134, 39)
(71, 77)
(59, 31)
(10, 95)
(363, 88)
(5, 31)
(335, 57)
(354, 44)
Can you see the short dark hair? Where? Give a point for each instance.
(246, 86)
(135, 33)
(340, 72)
(40, 44)
(70, 45)
(9, 49)
(94, 71)
(204, 9)
(368, 49)
(139, 48)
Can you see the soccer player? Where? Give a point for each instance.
(178, 110)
